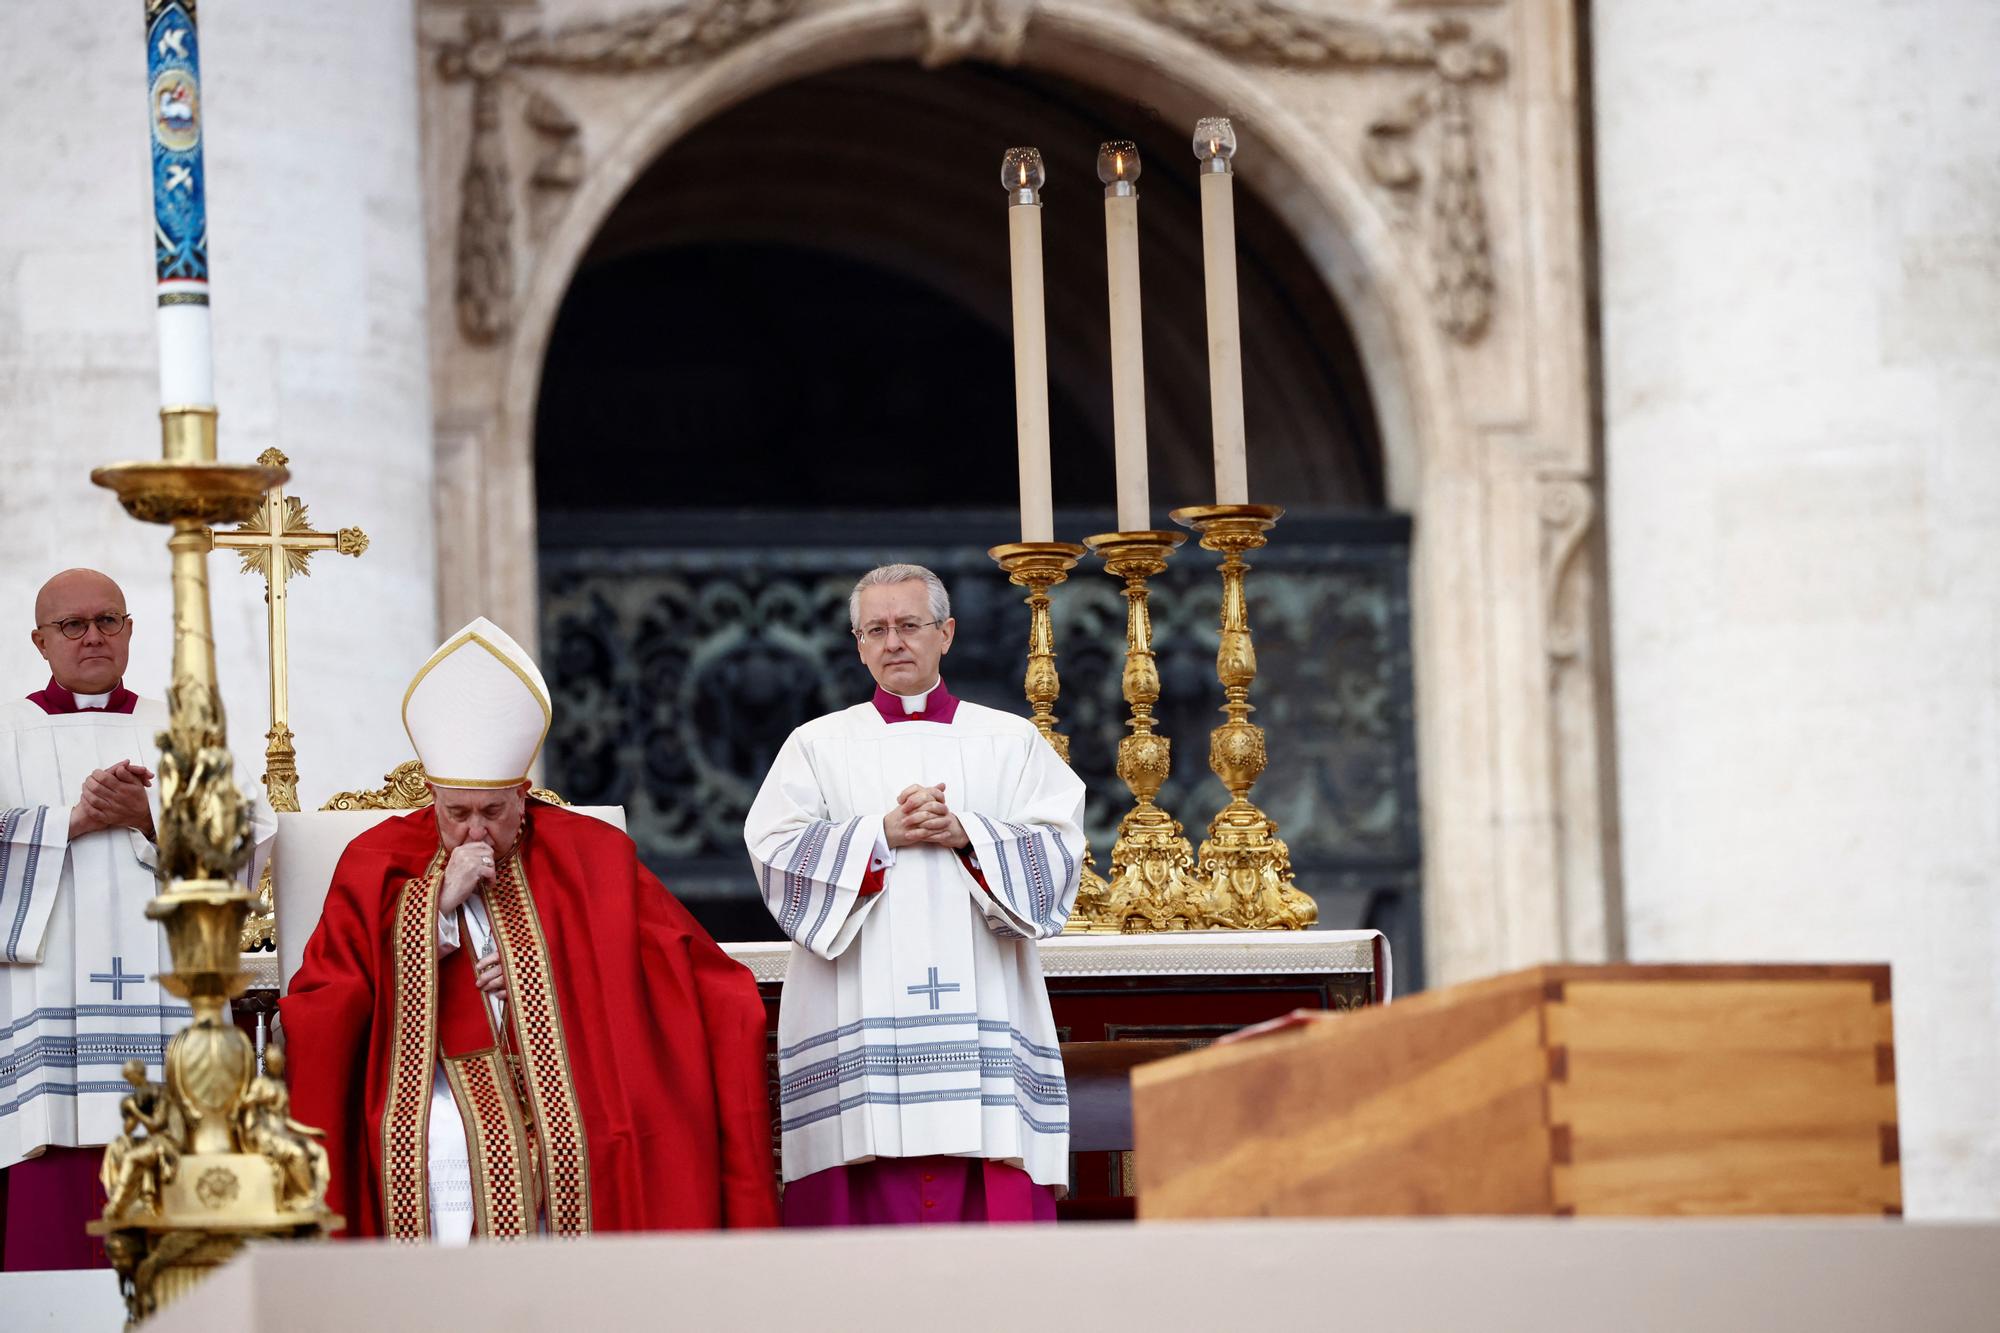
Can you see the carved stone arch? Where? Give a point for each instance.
(1325, 200)
(1511, 767)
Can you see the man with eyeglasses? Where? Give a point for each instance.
(78, 958)
(913, 848)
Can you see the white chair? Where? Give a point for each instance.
(308, 847)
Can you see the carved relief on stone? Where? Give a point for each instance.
(974, 29)
(1568, 509)
(491, 61)
(1452, 57)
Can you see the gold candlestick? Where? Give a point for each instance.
(210, 1158)
(1246, 869)
(1151, 864)
(1039, 566)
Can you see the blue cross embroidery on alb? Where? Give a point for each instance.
(932, 988)
(118, 978)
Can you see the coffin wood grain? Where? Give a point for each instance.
(1608, 1090)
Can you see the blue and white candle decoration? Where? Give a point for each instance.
(180, 214)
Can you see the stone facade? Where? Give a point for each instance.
(317, 245)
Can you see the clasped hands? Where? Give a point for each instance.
(921, 817)
(470, 865)
(113, 797)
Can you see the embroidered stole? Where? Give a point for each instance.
(524, 1132)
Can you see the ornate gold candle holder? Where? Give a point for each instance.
(1246, 869)
(1152, 864)
(1039, 566)
(211, 1157)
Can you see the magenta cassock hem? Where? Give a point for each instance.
(917, 1191)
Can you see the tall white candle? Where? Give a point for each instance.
(180, 210)
(1118, 167)
(1214, 145)
(1021, 174)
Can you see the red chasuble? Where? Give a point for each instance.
(623, 1088)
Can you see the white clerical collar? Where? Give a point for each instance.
(92, 700)
(914, 703)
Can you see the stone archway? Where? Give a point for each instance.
(1471, 325)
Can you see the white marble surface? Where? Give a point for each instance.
(1800, 212)
(74, 1301)
(316, 244)
(1554, 1275)
(1192, 953)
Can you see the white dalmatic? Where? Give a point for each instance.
(79, 961)
(914, 1021)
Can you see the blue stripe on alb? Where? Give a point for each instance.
(96, 1049)
(1046, 1052)
(788, 904)
(1069, 861)
(993, 1062)
(921, 1099)
(1006, 873)
(920, 1021)
(27, 880)
(1051, 1082)
(108, 1010)
(81, 1089)
(1035, 861)
(799, 877)
(914, 1056)
(839, 864)
(849, 1029)
(8, 819)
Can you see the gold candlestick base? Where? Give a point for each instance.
(1245, 869)
(1152, 885)
(1039, 566)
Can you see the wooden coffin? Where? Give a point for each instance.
(1619, 1089)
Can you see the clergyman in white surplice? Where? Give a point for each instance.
(914, 848)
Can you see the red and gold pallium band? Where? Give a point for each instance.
(505, 1192)
(542, 1050)
(507, 1185)
(406, 1111)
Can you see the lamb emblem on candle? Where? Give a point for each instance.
(176, 117)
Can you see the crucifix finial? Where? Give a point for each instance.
(278, 543)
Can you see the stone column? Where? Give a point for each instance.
(1799, 212)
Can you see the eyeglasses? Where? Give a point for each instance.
(75, 627)
(905, 629)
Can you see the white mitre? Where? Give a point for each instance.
(478, 710)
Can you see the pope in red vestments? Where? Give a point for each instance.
(504, 1023)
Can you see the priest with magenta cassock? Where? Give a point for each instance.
(914, 848)
(504, 1023)
(79, 961)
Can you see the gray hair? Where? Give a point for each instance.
(884, 575)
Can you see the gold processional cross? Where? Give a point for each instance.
(278, 544)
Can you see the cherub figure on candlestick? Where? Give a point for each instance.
(136, 1168)
(265, 1125)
